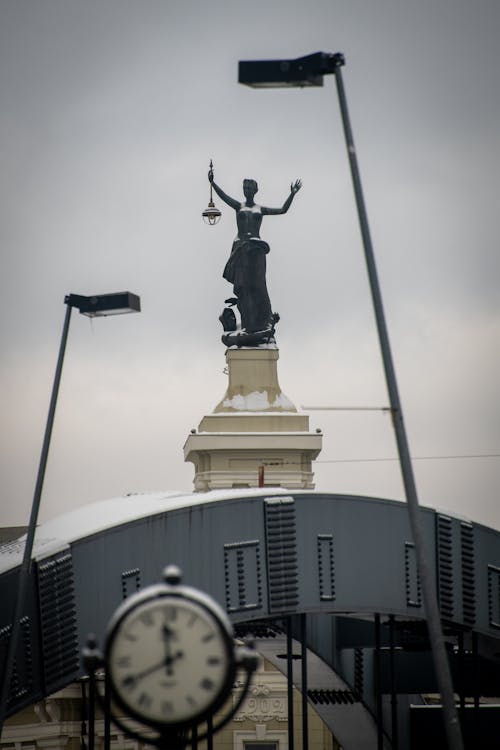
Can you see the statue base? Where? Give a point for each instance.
(254, 432)
(241, 337)
(253, 382)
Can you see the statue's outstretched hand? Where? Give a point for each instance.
(295, 186)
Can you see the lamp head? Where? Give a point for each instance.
(302, 71)
(211, 214)
(100, 305)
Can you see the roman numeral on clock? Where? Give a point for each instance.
(145, 700)
(167, 707)
(207, 684)
(147, 619)
(129, 682)
(170, 613)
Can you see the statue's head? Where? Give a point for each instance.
(250, 187)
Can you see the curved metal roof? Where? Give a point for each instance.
(62, 530)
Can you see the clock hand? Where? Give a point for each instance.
(170, 660)
(167, 663)
(167, 636)
(131, 679)
(168, 633)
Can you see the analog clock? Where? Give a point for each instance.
(170, 655)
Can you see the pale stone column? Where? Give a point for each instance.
(255, 426)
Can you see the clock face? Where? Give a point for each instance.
(169, 661)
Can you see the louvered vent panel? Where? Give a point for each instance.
(359, 672)
(445, 566)
(131, 582)
(21, 682)
(332, 697)
(412, 579)
(326, 567)
(58, 620)
(281, 543)
(243, 576)
(468, 573)
(494, 596)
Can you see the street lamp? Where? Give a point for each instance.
(298, 73)
(100, 305)
(95, 306)
(309, 71)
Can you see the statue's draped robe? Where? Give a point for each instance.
(246, 270)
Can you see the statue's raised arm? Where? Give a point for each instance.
(222, 195)
(294, 188)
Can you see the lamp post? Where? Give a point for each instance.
(309, 71)
(96, 306)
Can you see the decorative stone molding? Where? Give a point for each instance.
(41, 713)
(48, 711)
(53, 709)
(52, 743)
(260, 689)
(263, 705)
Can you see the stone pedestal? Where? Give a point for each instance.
(255, 425)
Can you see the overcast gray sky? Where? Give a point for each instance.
(110, 112)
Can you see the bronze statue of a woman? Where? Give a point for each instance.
(246, 269)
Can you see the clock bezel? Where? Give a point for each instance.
(176, 594)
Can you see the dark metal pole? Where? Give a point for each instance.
(461, 675)
(394, 695)
(441, 665)
(92, 691)
(210, 733)
(303, 664)
(378, 689)
(107, 712)
(289, 680)
(83, 724)
(28, 548)
(477, 687)
(194, 738)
